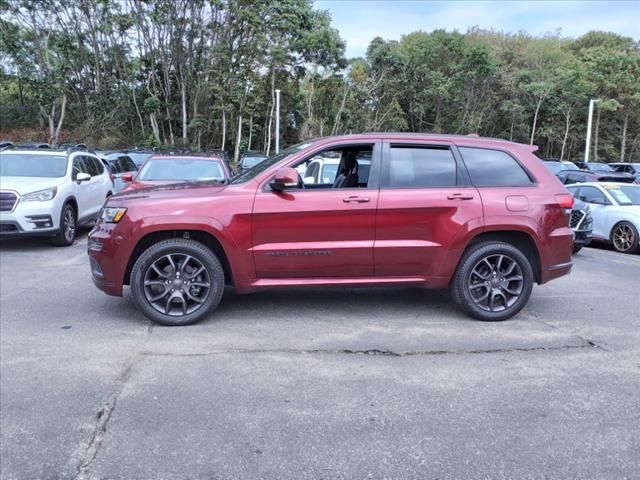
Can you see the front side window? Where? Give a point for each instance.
(30, 165)
(493, 168)
(78, 167)
(344, 167)
(181, 169)
(419, 167)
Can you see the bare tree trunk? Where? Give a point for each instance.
(135, 103)
(624, 136)
(250, 132)
(273, 102)
(51, 117)
(595, 141)
(336, 123)
(183, 94)
(154, 126)
(224, 129)
(566, 134)
(236, 153)
(535, 119)
(171, 137)
(63, 109)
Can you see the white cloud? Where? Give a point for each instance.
(360, 21)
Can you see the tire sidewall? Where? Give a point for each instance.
(464, 272)
(177, 246)
(60, 239)
(635, 247)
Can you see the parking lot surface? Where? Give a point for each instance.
(337, 383)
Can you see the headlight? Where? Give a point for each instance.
(41, 195)
(112, 214)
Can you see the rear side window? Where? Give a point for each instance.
(493, 168)
(417, 167)
(94, 166)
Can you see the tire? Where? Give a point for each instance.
(624, 238)
(166, 285)
(507, 291)
(576, 249)
(68, 227)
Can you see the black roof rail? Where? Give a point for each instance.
(24, 146)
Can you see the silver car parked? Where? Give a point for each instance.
(615, 208)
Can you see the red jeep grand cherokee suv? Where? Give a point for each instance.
(480, 216)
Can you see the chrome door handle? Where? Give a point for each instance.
(460, 196)
(355, 199)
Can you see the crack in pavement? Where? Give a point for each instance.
(373, 351)
(100, 429)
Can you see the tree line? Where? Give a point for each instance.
(203, 73)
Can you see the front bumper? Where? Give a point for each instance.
(30, 219)
(105, 251)
(583, 237)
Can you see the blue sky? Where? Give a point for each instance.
(361, 20)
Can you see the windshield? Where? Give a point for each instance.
(600, 167)
(272, 160)
(32, 165)
(555, 167)
(252, 161)
(625, 194)
(181, 169)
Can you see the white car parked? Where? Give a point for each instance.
(46, 192)
(615, 208)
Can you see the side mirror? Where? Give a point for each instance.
(285, 178)
(126, 177)
(83, 177)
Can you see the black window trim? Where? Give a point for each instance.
(374, 171)
(462, 176)
(532, 178)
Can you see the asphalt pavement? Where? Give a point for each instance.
(313, 383)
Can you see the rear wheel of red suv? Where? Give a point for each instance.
(177, 282)
(493, 281)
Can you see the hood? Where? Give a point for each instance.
(137, 190)
(24, 185)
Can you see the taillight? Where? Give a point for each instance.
(565, 201)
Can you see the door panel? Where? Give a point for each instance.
(414, 227)
(315, 233)
(425, 202)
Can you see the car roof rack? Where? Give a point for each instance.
(24, 146)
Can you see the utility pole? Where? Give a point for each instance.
(588, 143)
(277, 121)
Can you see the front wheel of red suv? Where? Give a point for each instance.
(493, 281)
(177, 282)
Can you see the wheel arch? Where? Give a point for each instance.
(201, 236)
(73, 202)
(520, 239)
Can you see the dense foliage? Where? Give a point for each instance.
(203, 73)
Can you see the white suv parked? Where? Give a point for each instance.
(50, 192)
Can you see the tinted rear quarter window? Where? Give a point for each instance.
(494, 168)
(420, 167)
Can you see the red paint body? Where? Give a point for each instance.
(363, 236)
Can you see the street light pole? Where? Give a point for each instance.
(588, 143)
(277, 121)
